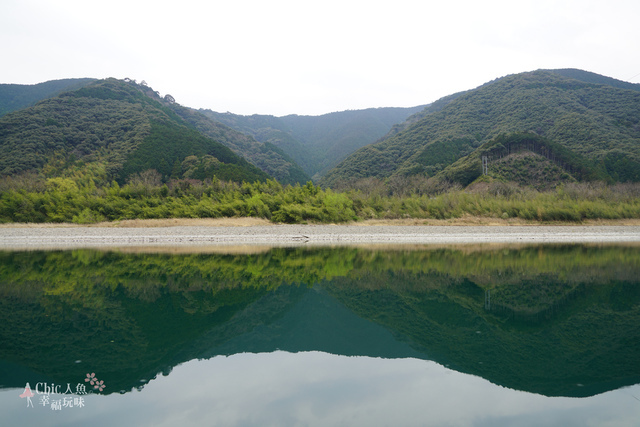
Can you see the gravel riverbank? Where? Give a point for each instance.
(291, 235)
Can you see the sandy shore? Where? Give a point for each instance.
(257, 232)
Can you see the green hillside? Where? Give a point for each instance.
(318, 143)
(529, 159)
(269, 158)
(112, 130)
(594, 119)
(16, 97)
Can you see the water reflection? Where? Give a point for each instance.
(315, 388)
(553, 320)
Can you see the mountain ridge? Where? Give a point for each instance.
(599, 121)
(317, 143)
(104, 126)
(593, 116)
(14, 97)
(267, 142)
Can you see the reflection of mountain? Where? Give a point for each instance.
(123, 338)
(317, 322)
(585, 345)
(556, 320)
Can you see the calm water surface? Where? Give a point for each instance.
(468, 335)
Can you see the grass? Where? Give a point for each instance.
(259, 222)
(483, 203)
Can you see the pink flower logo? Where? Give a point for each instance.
(96, 383)
(91, 378)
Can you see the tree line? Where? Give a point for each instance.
(78, 199)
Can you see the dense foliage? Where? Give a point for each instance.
(114, 125)
(77, 198)
(15, 97)
(64, 200)
(116, 150)
(597, 119)
(269, 158)
(169, 149)
(318, 143)
(574, 165)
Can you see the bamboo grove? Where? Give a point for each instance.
(77, 199)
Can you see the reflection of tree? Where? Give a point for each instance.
(546, 332)
(116, 325)
(133, 315)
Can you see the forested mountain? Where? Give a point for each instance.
(15, 97)
(269, 158)
(109, 130)
(577, 123)
(539, 129)
(318, 143)
(115, 149)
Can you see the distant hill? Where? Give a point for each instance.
(318, 143)
(16, 97)
(586, 124)
(266, 156)
(116, 130)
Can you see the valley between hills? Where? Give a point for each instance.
(547, 146)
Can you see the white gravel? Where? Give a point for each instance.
(292, 235)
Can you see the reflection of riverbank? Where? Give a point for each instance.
(541, 318)
(294, 235)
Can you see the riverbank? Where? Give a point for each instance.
(249, 231)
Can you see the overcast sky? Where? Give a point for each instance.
(314, 57)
